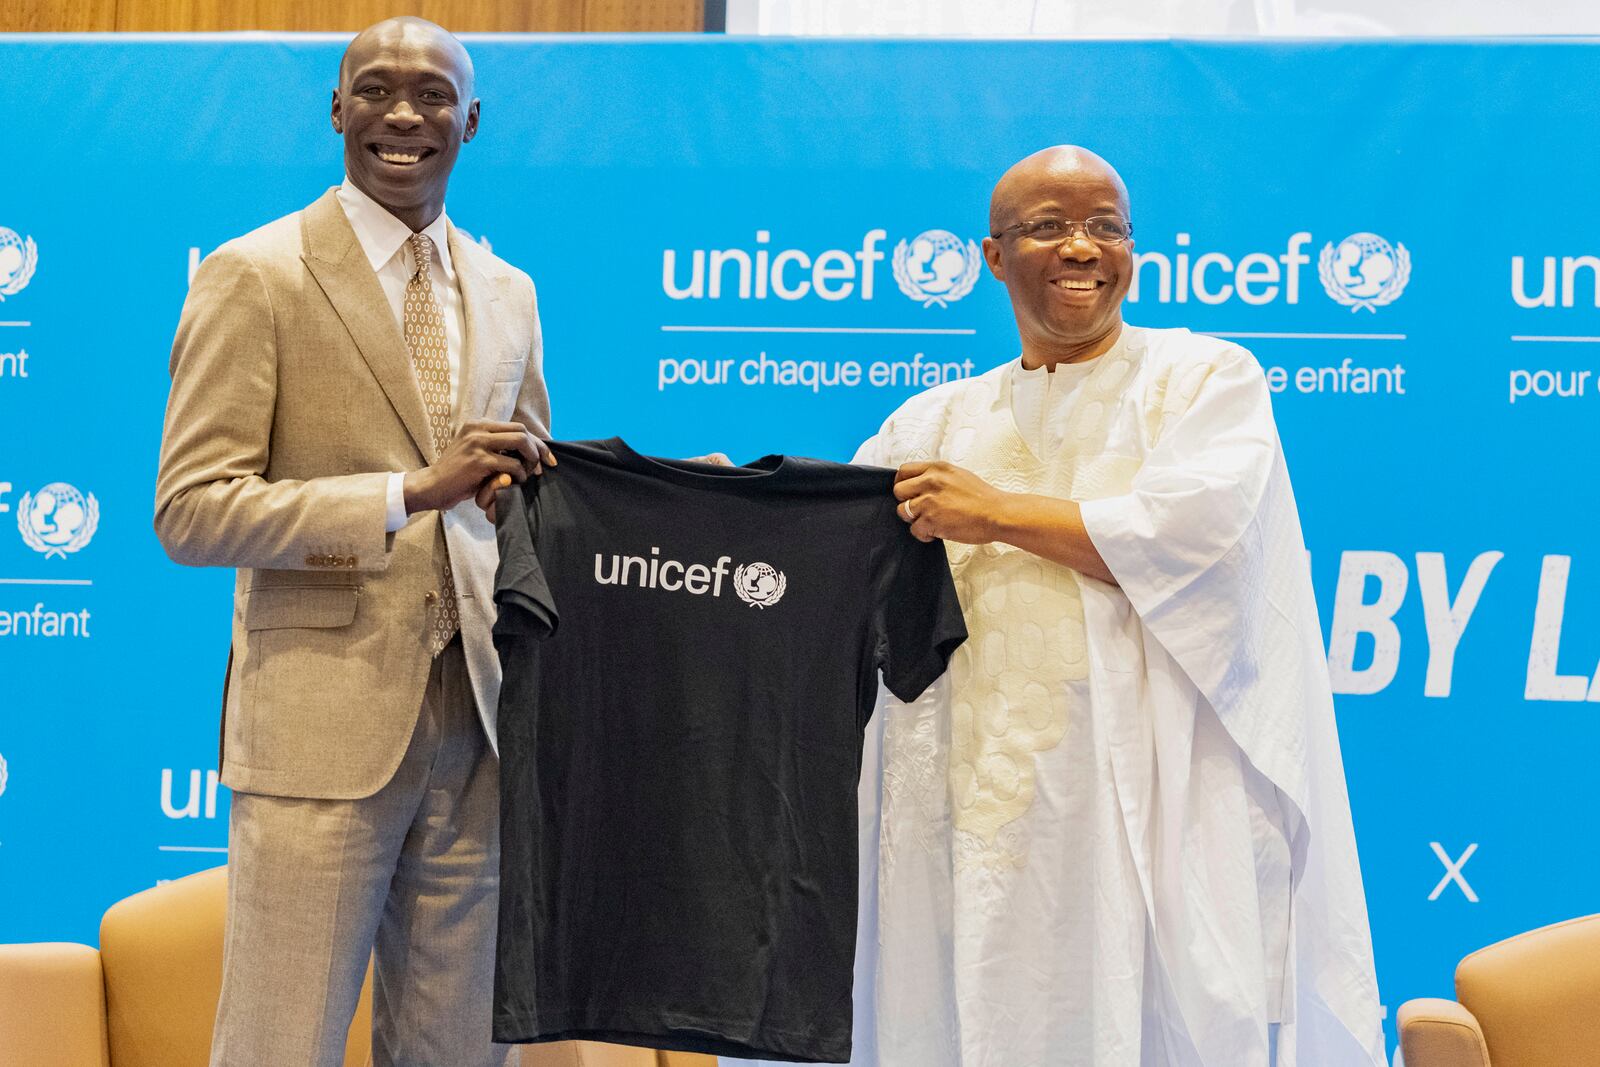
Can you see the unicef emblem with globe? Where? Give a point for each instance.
(936, 268)
(760, 585)
(1364, 271)
(18, 257)
(57, 519)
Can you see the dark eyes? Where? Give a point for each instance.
(430, 96)
(1099, 228)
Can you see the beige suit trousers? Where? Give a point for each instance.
(315, 886)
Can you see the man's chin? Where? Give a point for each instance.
(394, 191)
(1082, 329)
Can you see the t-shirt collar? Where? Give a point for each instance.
(381, 235)
(766, 470)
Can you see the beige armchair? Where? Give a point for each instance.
(1530, 1001)
(148, 997)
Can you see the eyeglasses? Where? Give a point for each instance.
(1105, 230)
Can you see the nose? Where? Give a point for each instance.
(1079, 247)
(402, 114)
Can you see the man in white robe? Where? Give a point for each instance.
(1116, 834)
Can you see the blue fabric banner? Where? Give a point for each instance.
(764, 246)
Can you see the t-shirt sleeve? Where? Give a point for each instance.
(520, 590)
(919, 618)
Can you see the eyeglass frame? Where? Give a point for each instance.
(1073, 226)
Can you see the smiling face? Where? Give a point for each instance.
(404, 106)
(1066, 294)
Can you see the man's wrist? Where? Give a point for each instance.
(1005, 518)
(418, 485)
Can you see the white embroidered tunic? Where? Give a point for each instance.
(1116, 833)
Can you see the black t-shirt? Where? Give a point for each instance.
(691, 654)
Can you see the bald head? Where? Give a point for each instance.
(392, 33)
(1066, 278)
(1048, 169)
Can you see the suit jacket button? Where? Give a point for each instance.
(430, 596)
(311, 561)
(350, 561)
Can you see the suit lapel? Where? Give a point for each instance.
(483, 342)
(334, 257)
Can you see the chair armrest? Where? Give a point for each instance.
(684, 1059)
(585, 1054)
(52, 1007)
(600, 1054)
(1440, 1033)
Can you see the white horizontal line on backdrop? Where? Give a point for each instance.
(16, 324)
(807, 329)
(191, 848)
(45, 581)
(966, 332)
(1312, 336)
(1567, 340)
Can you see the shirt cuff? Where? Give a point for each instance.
(395, 516)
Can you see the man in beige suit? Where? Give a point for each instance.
(350, 384)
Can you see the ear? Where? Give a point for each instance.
(338, 123)
(472, 122)
(991, 256)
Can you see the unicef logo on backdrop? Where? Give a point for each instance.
(759, 584)
(18, 257)
(1364, 271)
(936, 267)
(57, 519)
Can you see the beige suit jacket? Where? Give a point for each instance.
(293, 399)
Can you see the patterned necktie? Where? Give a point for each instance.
(424, 329)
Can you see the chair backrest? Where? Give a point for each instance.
(161, 951)
(1537, 995)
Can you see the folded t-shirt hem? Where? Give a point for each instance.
(709, 1036)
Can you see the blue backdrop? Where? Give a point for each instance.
(1404, 233)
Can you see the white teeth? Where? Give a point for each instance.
(399, 157)
(1075, 283)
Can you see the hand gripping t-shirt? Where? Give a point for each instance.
(691, 654)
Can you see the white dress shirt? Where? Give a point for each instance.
(386, 242)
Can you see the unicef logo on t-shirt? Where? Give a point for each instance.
(1364, 271)
(936, 268)
(759, 584)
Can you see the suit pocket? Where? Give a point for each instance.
(503, 400)
(509, 370)
(280, 606)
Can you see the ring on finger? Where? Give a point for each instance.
(905, 506)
